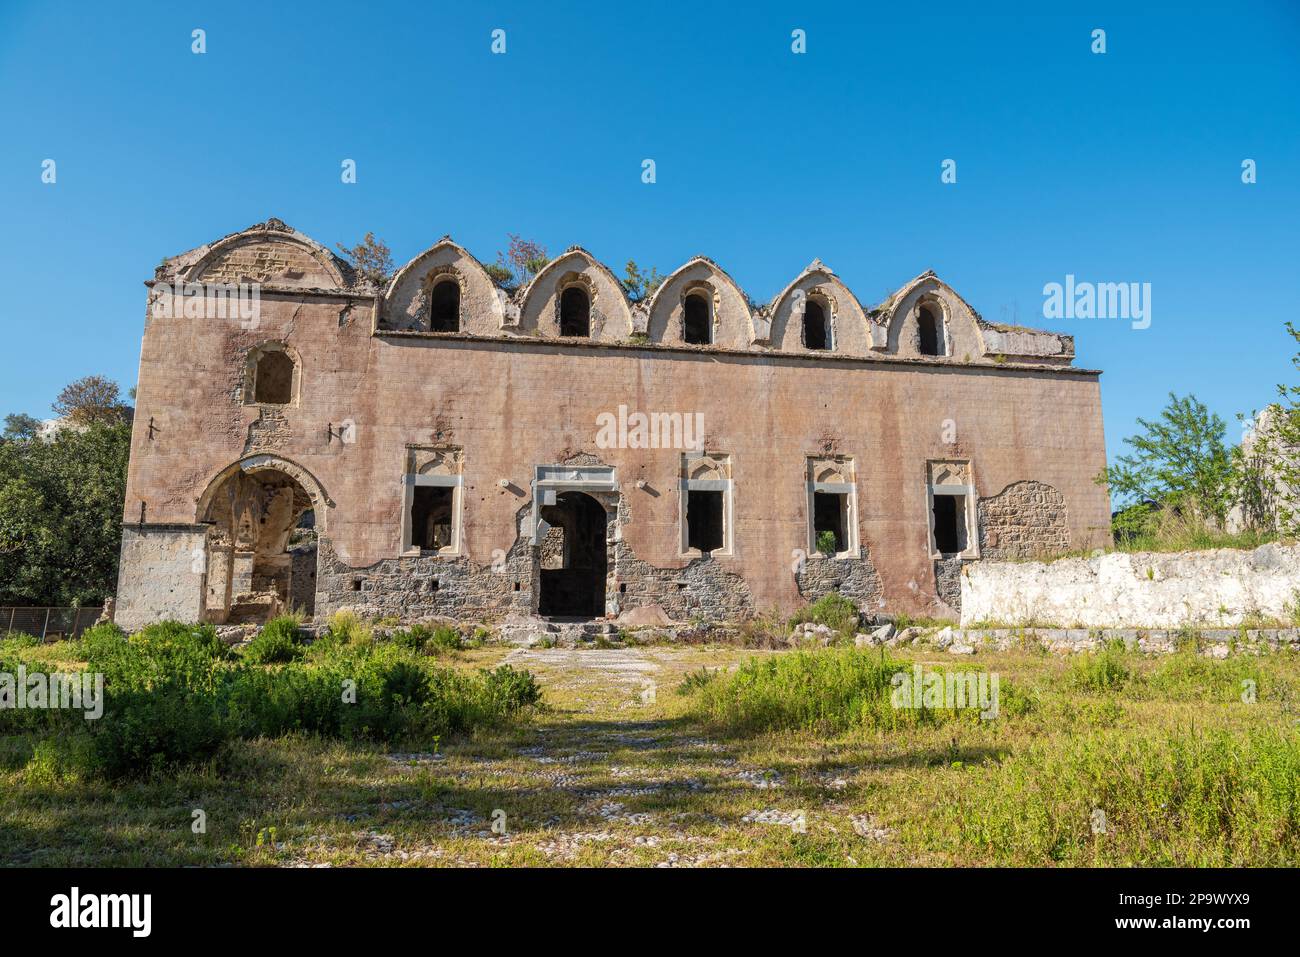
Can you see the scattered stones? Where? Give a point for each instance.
(763, 780)
(865, 826)
(789, 819)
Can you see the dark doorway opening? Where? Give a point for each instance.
(950, 524)
(575, 312)
(577, 588)
(704, 520)
(444, 307)
(816, 330)
(830, 514)
(698, 329)
(431, 517)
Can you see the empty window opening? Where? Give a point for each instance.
(431, 517)
(696, 324)
(830, 522)
(950, 524)
(273, 378)
(444, 307)
(930, 327)
(575, 312)
(816, 330)
(356, 584)
(704, 520)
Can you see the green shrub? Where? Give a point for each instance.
(826, 543)
(1103, 670)
(18, 639)
(347, 628)
(696, 681)
(426, 640)
(832, 610)
(279, 642)
(173, 697)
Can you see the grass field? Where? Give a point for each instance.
(1104, 759)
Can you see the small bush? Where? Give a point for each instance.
(277, 643)
(1104, 670)
(832, 610)
(347, 628)
(696, 681)
(425, 640)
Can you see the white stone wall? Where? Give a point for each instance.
(1220, 587)
(163, 575)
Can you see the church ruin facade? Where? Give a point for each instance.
(445, 446)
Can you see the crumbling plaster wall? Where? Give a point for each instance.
(1220, 588)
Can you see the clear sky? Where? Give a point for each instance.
(1115, 167)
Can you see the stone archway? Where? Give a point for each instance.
(262, 516)
(573, 556)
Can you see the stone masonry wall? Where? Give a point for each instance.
(854, 578)
(1221, 587)
(1026, 520)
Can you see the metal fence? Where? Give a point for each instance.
(48, 624)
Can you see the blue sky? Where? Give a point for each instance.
(1121, 167)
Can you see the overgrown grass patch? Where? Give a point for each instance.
(837, 689)
(175, 694)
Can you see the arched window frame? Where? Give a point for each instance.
(448, 275)
(704, 291)
(936, 307)
(827, 305)
(587, 288)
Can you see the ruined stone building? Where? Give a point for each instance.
(445, 446)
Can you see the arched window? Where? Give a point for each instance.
(816, 330)
(444, 306)
(930, 328)
(273, 378)
(575, 312)
(697, 328)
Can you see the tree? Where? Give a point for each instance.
(372, 260)
(521, 261)
(640, 285)
(21, 426)
(1179, 461)
(61, 515)
(91, 399)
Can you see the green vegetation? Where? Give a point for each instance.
(61, 515)
(174, 694)
(277, 643)
(1106, 759)
(832, 610)
(830, 690)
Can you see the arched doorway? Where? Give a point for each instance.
(261, 554)
(573, 557)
